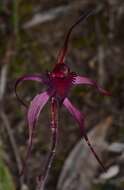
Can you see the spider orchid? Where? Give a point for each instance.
(58, 82)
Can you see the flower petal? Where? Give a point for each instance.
(87, 81)
(63, 51)
(34, 110)
(80, 119)
(35, 77)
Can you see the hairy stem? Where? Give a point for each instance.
(54, 130)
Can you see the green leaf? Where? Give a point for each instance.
(6, 182)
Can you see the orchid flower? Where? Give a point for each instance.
(58, 82)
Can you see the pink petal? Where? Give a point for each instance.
(35, 77)
(34, 110)
(73, 110)
(80, 119)
(86, 81)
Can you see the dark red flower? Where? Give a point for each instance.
(58, 82)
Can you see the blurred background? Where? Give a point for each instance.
(31, 34)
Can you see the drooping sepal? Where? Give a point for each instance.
(34, 110)
(79, 117)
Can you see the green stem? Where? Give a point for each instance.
(16, 21)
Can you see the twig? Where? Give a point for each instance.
(3, 80)
(15, 17)
(100, 54)
(40, 18)
(12, 141)
(3, 83)
(55, 13)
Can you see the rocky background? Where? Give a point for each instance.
(31, 34)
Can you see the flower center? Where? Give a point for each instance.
(60, 71)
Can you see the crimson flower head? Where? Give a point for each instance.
(58, 83)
